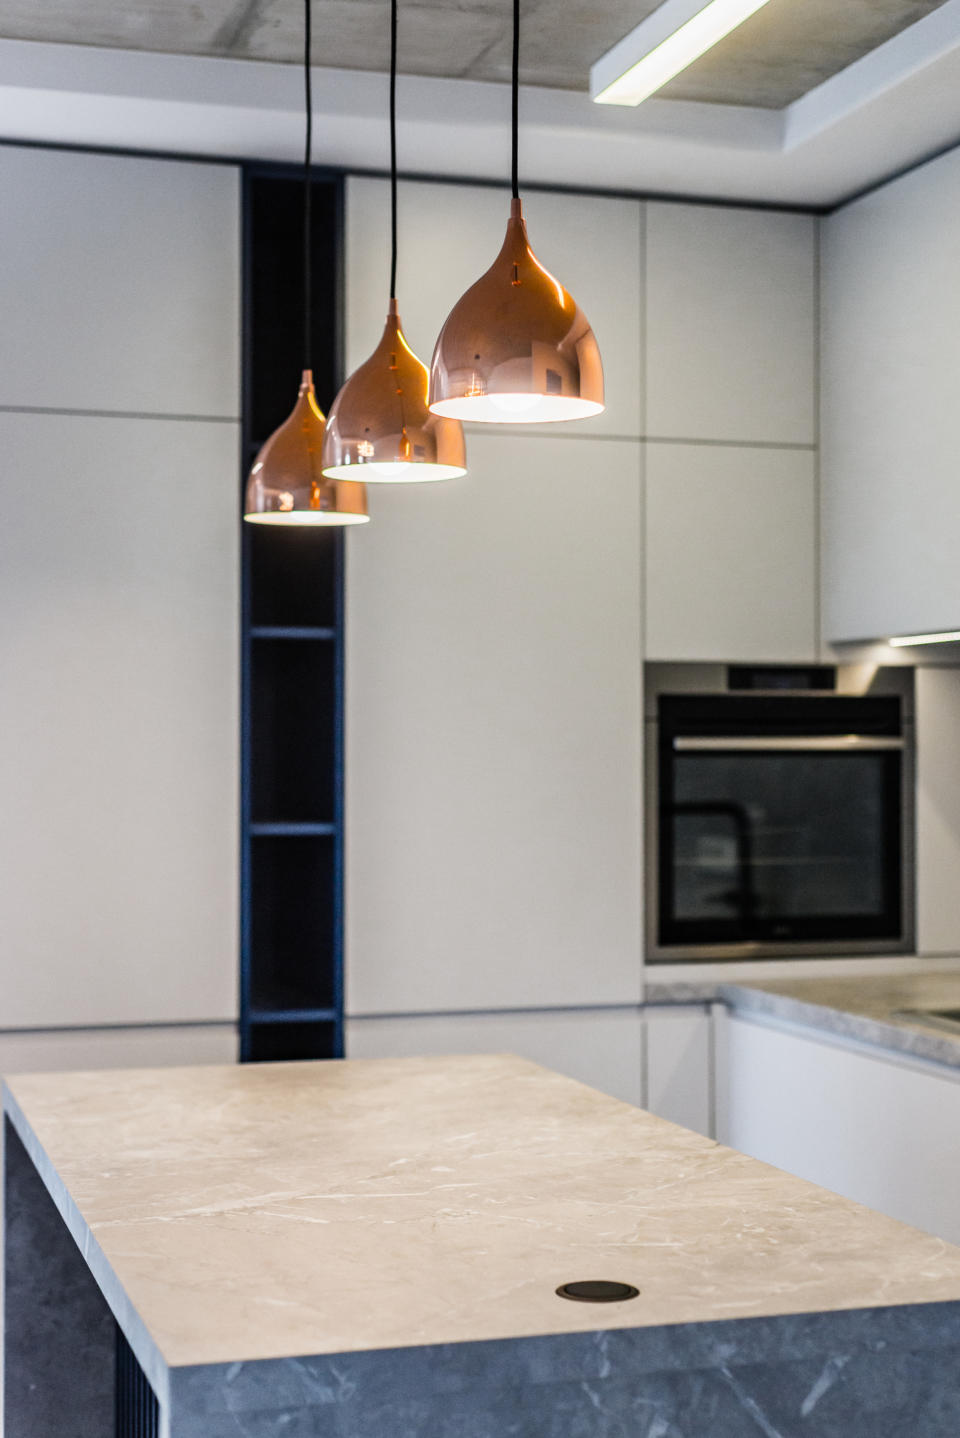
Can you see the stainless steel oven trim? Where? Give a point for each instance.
(710, 679)
(799, 744)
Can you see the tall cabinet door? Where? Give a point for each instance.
(493, 735)
(731, 519)
(119, 604)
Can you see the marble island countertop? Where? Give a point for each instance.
(875, 1009)
(254, 1212)
(266, 1233)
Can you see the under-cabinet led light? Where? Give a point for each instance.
(669, 40)
(905, 641)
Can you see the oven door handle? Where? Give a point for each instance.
(787, 744)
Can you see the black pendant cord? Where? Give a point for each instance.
(515, 117)
(307, 189)
(393, 149)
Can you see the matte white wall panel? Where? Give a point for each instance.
(891, 353)
(872, 1128)
(600, 1048)
(66, 1050)
(731, 304)
(938, 811)
(493, 734)
(679, 1069)
(118, 720)
(731, 553)
(119, 287)
(450, 234)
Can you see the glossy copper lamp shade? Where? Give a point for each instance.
(287, 485)
(516, 348)
(380, 427)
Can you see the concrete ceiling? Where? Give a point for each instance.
(781, 53)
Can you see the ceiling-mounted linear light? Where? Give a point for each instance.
(287, 485)
(379, 425)
(669, 40)
(906, 641)
(516, 348)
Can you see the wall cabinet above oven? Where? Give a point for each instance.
(730, 553)
(891, 352)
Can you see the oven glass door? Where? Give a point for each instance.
(780, 840)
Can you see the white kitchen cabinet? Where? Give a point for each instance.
(119, 610)
(450, 234)
(730, 327)
(120, 283)
(493, 733)
(874, 1127)
(890, 356)
(600, 1047)
(938, 810)
(157, 1046)
(678, 1060)
(730, 553)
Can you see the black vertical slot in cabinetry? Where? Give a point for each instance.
(291, 958)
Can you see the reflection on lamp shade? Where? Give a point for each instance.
(516, 348)
(287, 485)
(380, 426)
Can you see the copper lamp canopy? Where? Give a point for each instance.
(380, 426)
(516, 348)
(287, 485)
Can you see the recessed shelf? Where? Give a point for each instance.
(293, 830)
(293, 924)
(279, 1042)
(294, 697)
(293, 1016)
(293, 576)
(292, 631)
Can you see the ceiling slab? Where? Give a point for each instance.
(781, 53)
(785, 50)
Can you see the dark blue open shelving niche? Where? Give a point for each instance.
(291, 960)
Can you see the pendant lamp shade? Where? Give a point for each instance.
(516, 348)
(380, 428)
(287, 485)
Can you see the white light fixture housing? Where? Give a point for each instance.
(906, 641)
(676, 34)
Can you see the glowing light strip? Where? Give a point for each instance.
(669, 40)
(945, 636)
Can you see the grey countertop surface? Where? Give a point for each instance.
(873, 1008)
(261, 1211)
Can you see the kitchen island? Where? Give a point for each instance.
(372, 1249)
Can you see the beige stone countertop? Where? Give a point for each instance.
(274, 1210)
(875, 1009)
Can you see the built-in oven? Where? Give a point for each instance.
(779, 806)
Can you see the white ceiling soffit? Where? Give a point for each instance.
(884, 112)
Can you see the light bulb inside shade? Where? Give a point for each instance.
(292, 517)
(514, 403)
(516, 408)
(398, 473)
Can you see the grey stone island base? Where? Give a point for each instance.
(371, 1250)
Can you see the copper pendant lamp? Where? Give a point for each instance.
(380, 425)
(516, 348)
(286, 484)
